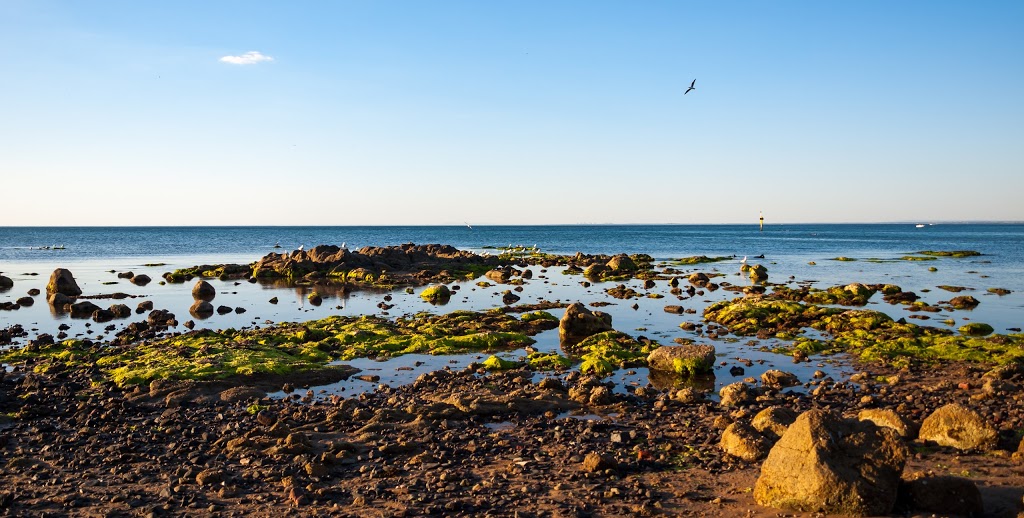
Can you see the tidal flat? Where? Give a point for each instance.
(411, 380)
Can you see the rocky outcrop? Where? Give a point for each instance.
(408, 263)
(958, 427)
(61, 281)
(6, 283)
(828, 464)
(579, 323)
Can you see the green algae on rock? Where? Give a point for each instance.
(698, 259)
(282, 349)
(949, 253)
(605, 352)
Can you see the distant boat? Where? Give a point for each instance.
(919, 225)
(467, 225)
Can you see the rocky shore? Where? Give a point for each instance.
(156, 421)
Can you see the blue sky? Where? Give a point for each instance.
(362, 113)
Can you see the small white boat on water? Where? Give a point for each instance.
(919, 225)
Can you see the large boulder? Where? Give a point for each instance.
(61, 281)
(944, 495)
(824, 463)
(682, 359)
(203, 291)
(959, 427)
(579, 323)
(6, 283)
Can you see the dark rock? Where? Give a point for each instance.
(579, 323)
(120, 310)
(964, 302)
(224, 310)
(83, 309)
(25, 301)
(102, 315)
(203, 291)
(141, 279)
(201, 309)
(61, 281)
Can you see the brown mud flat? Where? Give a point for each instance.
(454, 443)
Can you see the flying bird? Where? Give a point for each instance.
(690, 88)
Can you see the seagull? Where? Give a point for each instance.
(690, 88)
(300, 247)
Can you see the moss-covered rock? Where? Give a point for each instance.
(437, 294)
(976, 329)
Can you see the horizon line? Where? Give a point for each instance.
(905, 222)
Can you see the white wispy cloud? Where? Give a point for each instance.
(249, 58)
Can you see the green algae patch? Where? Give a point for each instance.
(283, 349)
(842, 259)
(949, 253)
(538, 316)
(539, 361)
(749, 315)
(918, 258)
(603, 353)
(690, 367)
(495, 363)
(850, 295)
(698, 259)
(207, 271)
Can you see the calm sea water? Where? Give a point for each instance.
(795, 253)
(1002, 243)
